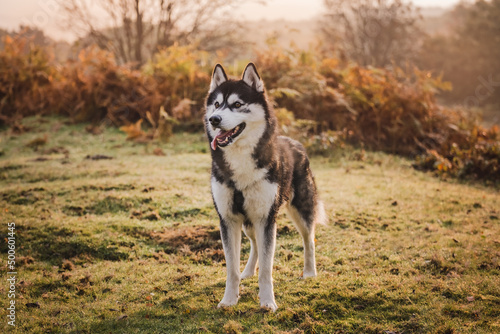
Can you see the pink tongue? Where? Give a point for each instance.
(221, 134)
(213, 144)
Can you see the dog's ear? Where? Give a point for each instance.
(218, 77)
(252, 78)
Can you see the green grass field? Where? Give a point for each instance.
(131, 244)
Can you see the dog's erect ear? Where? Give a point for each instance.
(252, 78)
(218, 77)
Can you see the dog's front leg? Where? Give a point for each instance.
(266, 243)
(231, 241)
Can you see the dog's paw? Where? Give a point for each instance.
(308, 274)
(270, 306)
(247, 274)
(227, 303)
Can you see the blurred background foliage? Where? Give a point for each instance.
(375, 77)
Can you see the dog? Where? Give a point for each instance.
(254, 173)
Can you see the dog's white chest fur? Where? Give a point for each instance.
(259, 194)
(243, 166)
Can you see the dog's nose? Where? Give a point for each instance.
(215, 120)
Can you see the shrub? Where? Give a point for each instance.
(393, 111)
(25, 79)
(389, 110)
(476, 158)
(91, 88)
(94, 88)
(182, 73)
(322, 102)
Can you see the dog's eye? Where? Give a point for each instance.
(217, 104)
(237, 105)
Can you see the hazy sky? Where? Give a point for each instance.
(43, 13)
(304, 9)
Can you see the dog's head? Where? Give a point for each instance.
(236, 110)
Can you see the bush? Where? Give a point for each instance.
(182, 73)
(476, 158)
(94, 88)
(91, 88)
(321, 102)
(25, 80)
(393, 111)
(389, 110)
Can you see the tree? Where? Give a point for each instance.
(372, 32)
(135, 29)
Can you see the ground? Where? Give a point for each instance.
(131, 244)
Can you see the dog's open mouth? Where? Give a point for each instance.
(224, 138)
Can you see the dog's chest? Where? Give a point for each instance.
(258, 193)
(243, 167)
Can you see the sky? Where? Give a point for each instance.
(44, 13)
(306, 9)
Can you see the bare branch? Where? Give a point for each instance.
(135, 28)
(372, 32)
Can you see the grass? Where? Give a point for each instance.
(131, 244)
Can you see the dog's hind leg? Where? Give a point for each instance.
(253, 258)
(231, 242)
(306, 230)
(305, 220)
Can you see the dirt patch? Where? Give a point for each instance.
(201, 244)
(98, 157)
(196, 237)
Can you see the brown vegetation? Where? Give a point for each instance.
(95, 88)
(389, 110)
(394, 111)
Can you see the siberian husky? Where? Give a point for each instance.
(254, 172)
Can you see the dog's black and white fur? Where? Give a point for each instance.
(254, 173)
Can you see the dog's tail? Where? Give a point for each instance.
(320, 214)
